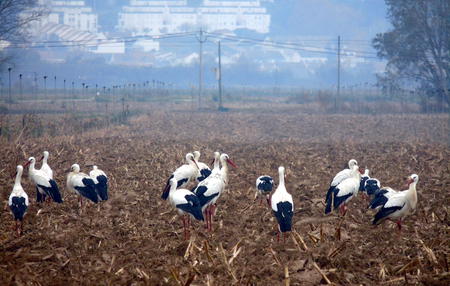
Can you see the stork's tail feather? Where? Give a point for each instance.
(377, 201)
(54, 192)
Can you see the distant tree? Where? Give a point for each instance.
(15, 18)
(417, 48)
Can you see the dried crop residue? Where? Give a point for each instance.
(136, 238)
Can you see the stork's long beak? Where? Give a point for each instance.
(195, 164)
(27, 164)
(231, 163)
(13, 175)
(42, 158)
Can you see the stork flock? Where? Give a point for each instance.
(201, 201)
(93, 187)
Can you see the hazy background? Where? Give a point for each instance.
(310, 24)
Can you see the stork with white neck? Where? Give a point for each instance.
(399, 205)
(18, 201)
(282, 205)
(342, 193)
(216, 164)
(186, 203)
(203, 170)
(183, 175)
(45, 167)
(344, 174)
(210, 189)
(81, 184)
(45, 186)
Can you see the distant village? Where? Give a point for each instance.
(75, 21)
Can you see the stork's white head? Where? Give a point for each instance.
(19, 170)
(75, 168)
(216, 158)
(281, 171)
(352, 163)
(224, 158)
(191, 160)
(94, 167)
(196, 155)
(31, 161)
(45, 155)
(414, 178)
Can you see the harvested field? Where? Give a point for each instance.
(136, 239)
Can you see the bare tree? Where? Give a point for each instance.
(15, 19)
(417, 47)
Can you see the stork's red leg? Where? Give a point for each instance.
(210, 214)
(399, 224)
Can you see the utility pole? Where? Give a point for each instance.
(20, 85)
(338, 76)
(45, 84)
(35, 86)
(201, 40)
(9, 85)
(219, 78)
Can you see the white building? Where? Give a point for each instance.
(74, 21)
(71, 13)
(155, 17)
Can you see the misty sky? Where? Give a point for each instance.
(312, 23)
(354, 19)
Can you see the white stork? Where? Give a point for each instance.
(186, 203)
(45, 167)
(398, 205)
(203, 170)
(18, 201)
(45, 186)
(282, 205)
(81, 184)
(210, 189)
(183, 174)
(264, 186)
(342, 193)
(101, 182)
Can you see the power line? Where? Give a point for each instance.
(231, 38)
(92, 42)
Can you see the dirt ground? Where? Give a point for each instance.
(135, 238)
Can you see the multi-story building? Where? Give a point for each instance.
(75, 22)
(170, 16)
(71, 13)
